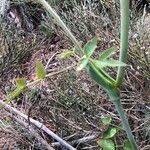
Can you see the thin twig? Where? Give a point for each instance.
(50, 59)
(38, 124)
(81, 140)
(50, 75)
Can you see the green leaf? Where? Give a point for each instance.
(83, 64)
(66, 54)
(109, 63)
(15, 93)
(20, 85)
(106, 120)
(107, 53)
(100, 77)
(90, 46)
(109, 133)
(127, 145)
(40, 70)
(102, 72)
(106, 144)
(21, 82)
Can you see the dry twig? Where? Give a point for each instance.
(81, 140)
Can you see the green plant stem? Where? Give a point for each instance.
(115, 97)
(60, 23)
(124, 11)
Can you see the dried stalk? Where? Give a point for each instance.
(81, 140)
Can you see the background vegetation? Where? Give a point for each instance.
(70, 104)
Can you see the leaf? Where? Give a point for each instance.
(109, 133)
(83, 64)
(106, 144)
(109, 63)
(90, 46)
(20, 85)
(15, 93)
(100, 77)
(66, 54)
(106, 120)
(102, 72)
(107, 53)
(127, 145)
(40, 70)
(21, 82)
